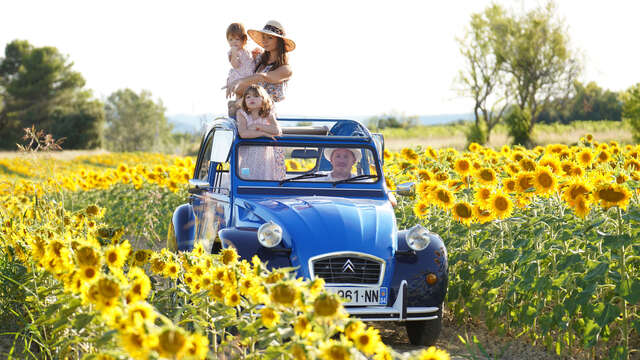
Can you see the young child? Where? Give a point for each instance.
(257, 119)
(242, 64)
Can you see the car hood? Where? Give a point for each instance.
(316, 225)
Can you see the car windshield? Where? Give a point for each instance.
(333, 164)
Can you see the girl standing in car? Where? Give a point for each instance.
(257, 119)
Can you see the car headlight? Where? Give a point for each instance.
(269, 234)
(418, 238)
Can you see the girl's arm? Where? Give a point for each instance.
(274, 77)
(234, 58)
(247, 133)
(272, 127)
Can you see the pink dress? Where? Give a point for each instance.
(260, 162)
(245, 68)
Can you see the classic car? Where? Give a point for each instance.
(343, 231)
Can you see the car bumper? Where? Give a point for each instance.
(399, 311)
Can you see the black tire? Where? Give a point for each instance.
(424, 333)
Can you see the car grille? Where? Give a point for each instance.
(347, 270)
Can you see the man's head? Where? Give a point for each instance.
(342, 159)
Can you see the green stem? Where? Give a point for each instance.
(625, 278)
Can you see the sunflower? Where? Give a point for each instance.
(524, 182)
(432, 353)
(544, 181)
(632, 164)
(501, 205)
(420, 208)
(585, 158)
(284, 294)
(424, 175)
(474, 147)
(140, 312)
(603, 156)
(463, 212)
(581, 206)
(551, 163)
(171, 269)
(137, 342)
(302, 326)
(486, 176)
(197, 346)
(612, 195)
(527, 164)
(462, 167)
(482, 194)
(140, 257)
(334, 350)
(232, 298)
(482, 214)
(172, 342)
(229, 256)
(442, 197)
(87, 256)
(367, 341)
(575, 188)
(327, 305)
(269, 317)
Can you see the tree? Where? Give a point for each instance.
(631, 109)
(534, 52)
(482, 79)
(526, 56)
(135, 122)
(39, 88)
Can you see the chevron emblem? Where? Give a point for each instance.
(348, 265)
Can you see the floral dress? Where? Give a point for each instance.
(260, 162)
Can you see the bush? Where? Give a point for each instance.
(517, 121)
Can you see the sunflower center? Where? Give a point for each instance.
(463, 211)
(545, 180)
(611, 195)
(501, 203)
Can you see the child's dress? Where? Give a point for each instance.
(243, 70)
(260, 162)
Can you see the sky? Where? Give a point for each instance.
(352, 57)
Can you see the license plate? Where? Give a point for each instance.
(361, 295)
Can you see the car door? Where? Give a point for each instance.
(211, 205)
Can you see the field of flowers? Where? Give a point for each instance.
(542, 243)
(82, 275)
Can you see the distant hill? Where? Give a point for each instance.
(192, 123)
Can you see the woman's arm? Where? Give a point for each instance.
(274, 77)
(247, 133)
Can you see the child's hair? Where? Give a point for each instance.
(257, 90)
(237, 29)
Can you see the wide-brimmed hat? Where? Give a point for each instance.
(272, 28)
(356, 153)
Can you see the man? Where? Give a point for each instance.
(342, 161)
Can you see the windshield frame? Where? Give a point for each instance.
(304, 182)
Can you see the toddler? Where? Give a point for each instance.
(256, 119)
(242, 64)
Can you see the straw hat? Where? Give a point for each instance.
(272, 28)
(356, 153)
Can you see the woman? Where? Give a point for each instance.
(272, 68)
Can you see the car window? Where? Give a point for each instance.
(277, 163)
(202, 172)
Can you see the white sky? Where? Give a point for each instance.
(352, 57)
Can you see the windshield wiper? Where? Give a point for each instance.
(355, 178)
(303, 176)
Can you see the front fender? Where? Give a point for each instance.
(182, 229)
(414, 266)
(245, 241)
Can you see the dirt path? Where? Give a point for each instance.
(497, 347)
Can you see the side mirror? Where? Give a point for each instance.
(196, 186)
(406, 189)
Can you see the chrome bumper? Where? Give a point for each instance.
(398, 312)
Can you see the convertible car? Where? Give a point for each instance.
(343, 231)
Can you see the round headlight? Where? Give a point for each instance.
(418, 238)
(269, 234)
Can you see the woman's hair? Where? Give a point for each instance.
(257, 90)
(281, 56)
(237, 29)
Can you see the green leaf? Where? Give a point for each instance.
(607, 315)
(507, 256)
(82, 320)
(569, 261)
(616, 241)
(105, 338)
(631, 293)
(591, 330)
(596, 272)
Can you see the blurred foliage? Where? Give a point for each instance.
(39, 88)
(392, 120)
(631, 109)
(135, 122)
(589, 102)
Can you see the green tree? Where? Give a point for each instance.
(482, 78)
(392, 120)
(524, 55)
(136, 123)
(39, 88)
(631, 109)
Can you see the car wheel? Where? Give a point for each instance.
(424, 333)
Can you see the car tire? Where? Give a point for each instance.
(424, 333)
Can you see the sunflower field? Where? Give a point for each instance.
(84, 275)
(543, 243)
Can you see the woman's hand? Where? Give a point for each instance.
(231, 89)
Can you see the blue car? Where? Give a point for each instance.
(343, 231)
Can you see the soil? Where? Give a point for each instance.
(496, 347)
